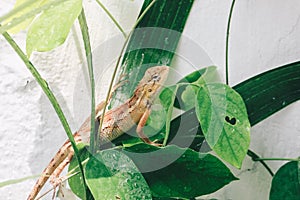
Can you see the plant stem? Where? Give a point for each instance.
(19, 180)
(227, 41)
(255, 157)
(49, 94)
(112, 18)
(88, 53)
(169, 115)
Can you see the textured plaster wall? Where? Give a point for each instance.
(264, 34)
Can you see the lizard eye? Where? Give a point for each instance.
(156, 77)
(149, 90)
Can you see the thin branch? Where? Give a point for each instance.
(49, 94)
(112, 18)
(227, 41)
(254, 157)
(88, 53)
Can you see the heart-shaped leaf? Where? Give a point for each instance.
(223, 117)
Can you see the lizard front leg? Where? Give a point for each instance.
(140, 131)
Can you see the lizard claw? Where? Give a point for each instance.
(148, 141)
(56, 181)
(155, 143)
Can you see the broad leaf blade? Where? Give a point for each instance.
(52, 27)
(181, 173)
(224, 121)
(26, 22)
(153, 42)
(111, 174)
(285, 183)
(270, 91)
(186, 94)
(258, 93)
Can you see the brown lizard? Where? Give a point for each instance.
(135, 111)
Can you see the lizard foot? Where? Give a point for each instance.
(155, 143)
(56, 182)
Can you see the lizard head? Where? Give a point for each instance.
(153, 81)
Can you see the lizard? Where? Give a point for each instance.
(135, 111)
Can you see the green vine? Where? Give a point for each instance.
(88, 52)
(227, 41)
(112, 18)
(48, 92)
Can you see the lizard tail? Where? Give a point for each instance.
(65, 151)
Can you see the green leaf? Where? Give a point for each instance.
(111, 175)
(179, 172)
(52, 27)
(156, 120)
(188, 97)
(153, 42)
(299, 172)
(184, 99)
(23, 25)
(263, 95)
(185, 131)
(167, 97)
(224, 122)
(186, 93)
(16, 181)
(285, 183)
(270, 91)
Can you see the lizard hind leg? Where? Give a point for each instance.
(59, 157)
(55, 180)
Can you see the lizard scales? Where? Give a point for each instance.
(135, 111)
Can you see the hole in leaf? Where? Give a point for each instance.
(231, 121)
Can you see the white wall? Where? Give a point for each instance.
(264, 34)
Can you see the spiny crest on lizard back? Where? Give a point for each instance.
(152, 81)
